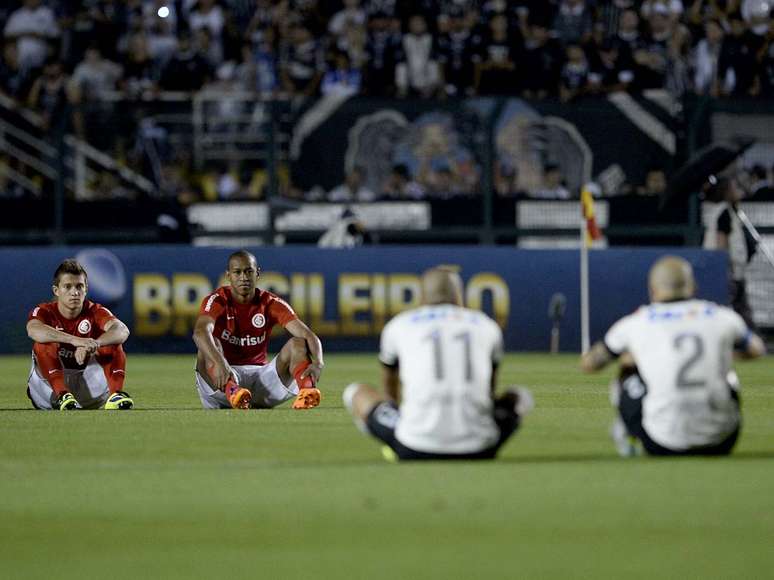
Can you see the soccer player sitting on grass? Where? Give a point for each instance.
(232, 334)
(677, 393)
(440, 362)
(77, 359)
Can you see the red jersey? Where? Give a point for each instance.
(90, 323)
(244, 329)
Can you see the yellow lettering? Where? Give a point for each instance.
(298, 294)
(274, 282)
(152, 313)
(352, 302)
(405, 292)
(378, 301)
(488, 282)
(188, 291)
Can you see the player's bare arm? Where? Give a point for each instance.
(210, 353)
(753, 348)
(43, 333)
(314, 346)
(596, 358)
(115, 332)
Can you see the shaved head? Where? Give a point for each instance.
(442, 285)
(671, 278)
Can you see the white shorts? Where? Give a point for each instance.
(264, 384)
(89, 387)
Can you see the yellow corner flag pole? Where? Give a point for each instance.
(588, 233)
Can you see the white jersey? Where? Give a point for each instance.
(445, 354)
(683, 352)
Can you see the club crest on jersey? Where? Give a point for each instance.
(84, 327)
(259, 321)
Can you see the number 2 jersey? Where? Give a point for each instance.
(445, 355)
(90, 323)
(244, 329)
(684, 354)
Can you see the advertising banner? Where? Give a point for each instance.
(345, 296)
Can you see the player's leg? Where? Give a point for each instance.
(112, 362)
(375, 415)
(232, 396)
(510, 408)
(628, 433)
(291, 362)
(46, 387)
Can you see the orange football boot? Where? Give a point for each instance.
(238, 397)
(307, 398)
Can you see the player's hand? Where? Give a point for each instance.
(88, 343)
(82, 354)
(314, 370)
(221, 373)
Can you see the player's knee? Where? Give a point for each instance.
(359, 399)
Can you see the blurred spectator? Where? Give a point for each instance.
(352, 15)
(573, 22)
(655, 182)
(417, 73)
(33, 26)
(301, 63)
(341, 79)
(208, 16)
(553, 184)
(187, 70)
(738, 66)
(652, 56)
(401, 187)
(139, 71)
(162, 42)
(257, 71)
(382, 47)
(49, 94)
(705, 60)
(609, 13)
(15, 81)
(673, 9)
(353, 189)
(495, 72)
(541, 63)
(347, 232)
(94, 77)
(575, 74)
(506, 179)
(456, 47)
(610, 72)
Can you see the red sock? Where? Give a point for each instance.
(51, 369)
(306, 382)
(112, 359)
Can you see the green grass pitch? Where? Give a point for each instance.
(171, 491)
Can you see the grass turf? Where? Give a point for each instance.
(170, 491)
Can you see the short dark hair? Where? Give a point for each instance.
(241, 254)
(69, 266)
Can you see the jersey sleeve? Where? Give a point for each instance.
(213, 306)
(738, 328)
(280, 311)
(40, 313)
(388, 346)
(617, 338)
(102, 316)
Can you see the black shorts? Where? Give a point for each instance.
(383, 418)
(632, 391)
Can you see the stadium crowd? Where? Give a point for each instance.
(81, 54)
(424, 48)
